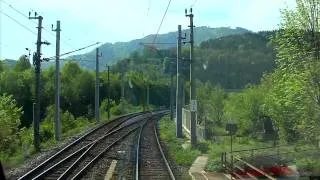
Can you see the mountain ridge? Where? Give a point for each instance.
(113, 52)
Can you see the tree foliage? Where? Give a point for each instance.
(22, 64)
(10, 121)
(293, 100)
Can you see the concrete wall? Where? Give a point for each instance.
(186, 124)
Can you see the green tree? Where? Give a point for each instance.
(294, 96)
(1, 66)
(10, 121)
(19, 84)
(22, 64)
(211, 106)
(246, 109)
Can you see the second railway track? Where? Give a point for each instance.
(151, 162)
(71, 152)
(90, 156)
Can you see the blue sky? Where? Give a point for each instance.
(85, 22)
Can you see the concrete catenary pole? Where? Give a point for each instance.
(179, 86)
(37, 64)
(193, 101)
(97, 114)
(171, 90)
(122, 88)
(57, 84)
(109, 90)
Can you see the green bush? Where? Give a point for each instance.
(308, 164)
(9, 123)
(203, 146)
(116, 110)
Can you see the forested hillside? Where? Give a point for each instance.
(235, 61)
(111, 53)
(231, 62)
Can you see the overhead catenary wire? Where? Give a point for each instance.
(16, 21)
(147, 16)
(164, 15)
(149, 5)
(79, 49)
(16, 10)
(46, 30)
(22, 14)
(192, 5)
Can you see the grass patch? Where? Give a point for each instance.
(216, 149)
(181, 156)
(24, 148)
(296, 156)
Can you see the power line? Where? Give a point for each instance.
(16, 10)
(21, 13)
(74, 51)
(149, 5)
(80, 60)
(25, 27)
(147, 17)
(195, 1)
(164, 15)
(49, 32)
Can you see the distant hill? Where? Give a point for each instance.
(9, 62)
(237, 60)
(231, 61)
(111, 53)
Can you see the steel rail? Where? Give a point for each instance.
(162, 154)
(33, 172)
(137, 152)
(86, 148)
(82, 171)
(159, 148)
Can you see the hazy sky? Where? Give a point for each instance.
(85, 22)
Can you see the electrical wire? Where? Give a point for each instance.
(195, 1)
(25, 27)
(149, 5)
(74, 50)
(16, 9)
(48, 31)
(164, 15)
(21, 13)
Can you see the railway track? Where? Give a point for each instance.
(90, 156)
(67, 163)
(151, 162)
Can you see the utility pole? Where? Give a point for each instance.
(1, 34)
(193, 101)
(57, 84)
(171, 90)
(148, 92)
(37, 64)
(122, 87)
(97, 113)
(179, 86)
(109, 93)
